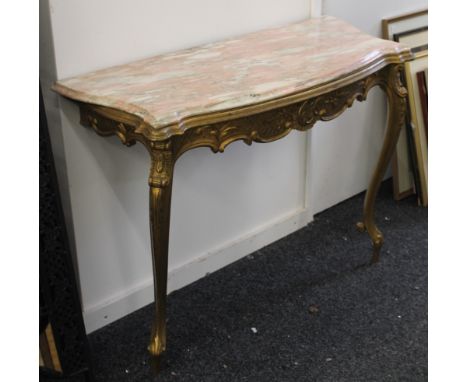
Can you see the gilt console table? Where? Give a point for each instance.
(255, 88)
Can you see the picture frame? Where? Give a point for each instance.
(416, 113)
(403, 23)
(422, 86)
(416, 38)
(410, 29)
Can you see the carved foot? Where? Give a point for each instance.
(376, 244)
(157, 346)
(361, 227)
(376, 237)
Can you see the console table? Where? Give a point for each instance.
(255, 88)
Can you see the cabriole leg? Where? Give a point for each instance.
(396, 94)
(160, 182)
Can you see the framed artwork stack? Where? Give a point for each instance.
(410, 162)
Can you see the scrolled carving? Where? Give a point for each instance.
(331, 105)
(277, 123)
(394, 82)
(265, 127)
(108, 122)
(105, 126)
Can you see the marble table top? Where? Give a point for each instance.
(167, 89)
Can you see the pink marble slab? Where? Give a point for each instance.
(165, 89)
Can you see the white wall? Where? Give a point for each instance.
(224, 206)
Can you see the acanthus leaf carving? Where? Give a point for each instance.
(274, 124)
(106, 126)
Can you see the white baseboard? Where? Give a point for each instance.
(125, 303)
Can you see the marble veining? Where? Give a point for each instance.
(260, 66)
